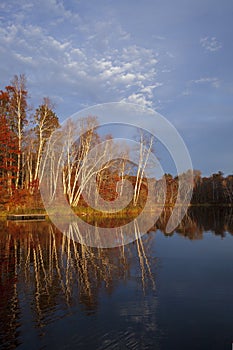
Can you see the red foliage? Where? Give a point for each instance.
(107, 185)
(8, 152)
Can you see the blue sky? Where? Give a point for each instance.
(174, 56)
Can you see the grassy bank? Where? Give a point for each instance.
(83, 211)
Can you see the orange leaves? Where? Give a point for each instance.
(8, 154)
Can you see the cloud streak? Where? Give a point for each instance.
(213, 81)
(210, 44)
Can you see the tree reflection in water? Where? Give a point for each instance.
(45, 274)
(55, 270)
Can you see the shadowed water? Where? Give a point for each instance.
(160, 292)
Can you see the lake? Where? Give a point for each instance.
(160, 292)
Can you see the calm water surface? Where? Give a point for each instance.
(160, 292)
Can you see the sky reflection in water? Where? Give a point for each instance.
(159, 292)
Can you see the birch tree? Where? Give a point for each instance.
(46, 122)
(17, 114)
(145, 148)
(78, 168)
(71, 153)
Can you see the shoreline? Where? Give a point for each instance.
(85, 211)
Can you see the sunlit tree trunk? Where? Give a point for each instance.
(46, 122)
(18, 106)
(144, 153)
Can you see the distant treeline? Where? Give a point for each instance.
(216, 189)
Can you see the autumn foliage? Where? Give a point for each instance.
(24, 134)
(22, 138)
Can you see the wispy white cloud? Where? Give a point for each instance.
(186, 92)
(213, 81)
(96, 59)
(44, 11)
(98, 76)
(210, 44)
(210, 82)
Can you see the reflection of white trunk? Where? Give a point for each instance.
(143, 260)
